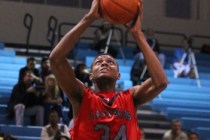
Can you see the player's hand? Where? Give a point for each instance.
(94, 10)
(136, 24)
(141, 9)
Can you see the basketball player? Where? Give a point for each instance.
(102, 113)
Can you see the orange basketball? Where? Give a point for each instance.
(119, 11)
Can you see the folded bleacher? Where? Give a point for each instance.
(186, 101)
(9, 68)
(30, 132)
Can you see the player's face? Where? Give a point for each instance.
(105, 66)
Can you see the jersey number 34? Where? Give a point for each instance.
(120, 135)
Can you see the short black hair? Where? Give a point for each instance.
(80, 65)
(53, 110)
(23, 75)
(192, 133)
(31, 59)
(44, 59)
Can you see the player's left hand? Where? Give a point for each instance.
(136, 24)
(94, 10)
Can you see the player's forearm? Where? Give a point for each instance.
(67, 43)
(154, 67)
(60, 66)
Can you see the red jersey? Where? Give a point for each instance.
(106, 116)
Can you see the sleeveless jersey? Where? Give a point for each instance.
(106, 116)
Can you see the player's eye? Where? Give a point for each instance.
(98, 62)
(111, 62)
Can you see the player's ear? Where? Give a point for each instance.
(118, 76)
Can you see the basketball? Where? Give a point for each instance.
(118, 11)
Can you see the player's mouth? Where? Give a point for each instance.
(104, 69)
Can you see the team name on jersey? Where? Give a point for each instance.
(99, 114)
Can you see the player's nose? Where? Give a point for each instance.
(104, 63)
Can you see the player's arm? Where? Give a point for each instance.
(158, 81)
(58, 58)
